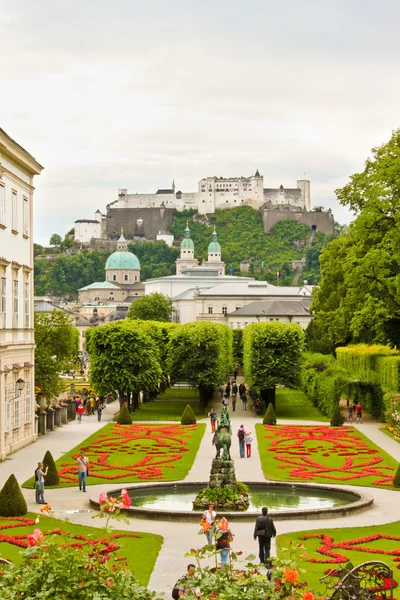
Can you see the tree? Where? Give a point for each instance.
(272, 355)
(269, 417)
(52, 477)
(337, 418)
(201, 354)
(154, 307)
(188, 416)
(57, 344)
(123, 358)
(359, 299)
(124, 417)
(12, 502)
(55, 240)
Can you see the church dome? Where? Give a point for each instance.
(187, 242)
(122, 260)
(214, 245)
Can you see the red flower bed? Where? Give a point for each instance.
(21, 540)
(292, 446)
(161, 445)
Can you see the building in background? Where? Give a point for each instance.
(17, 347)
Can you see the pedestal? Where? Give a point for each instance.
(64, 416)
(57, 416)
(42, 423)
(50, 419)
(222, 473)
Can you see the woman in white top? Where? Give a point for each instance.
(209, 516)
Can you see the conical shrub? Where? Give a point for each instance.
(188, 416)
(124, 417)
(12, 502)
(337, 418)
(270, 416)
(396, 478)
(52, 477)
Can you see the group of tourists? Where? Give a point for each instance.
(220, 537)
(229, 393)
(354, 409)
(245, 441)
(82, 470)
(89, 406)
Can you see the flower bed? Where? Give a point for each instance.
(323, 454)
(122, 453)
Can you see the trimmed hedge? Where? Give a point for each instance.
(124, 416)
(369, 395)
(52, 477)
(396, 478)
(270, 416)
(12, 502)
(188, 416)
(324, 388)
(337, 419)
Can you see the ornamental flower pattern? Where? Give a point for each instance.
(294, 447)
(161, 446)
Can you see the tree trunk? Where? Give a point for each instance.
(268, 396)
(135, 400)
(205, 394)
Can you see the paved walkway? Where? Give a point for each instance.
(180, 537)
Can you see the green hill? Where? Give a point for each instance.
(240, 233)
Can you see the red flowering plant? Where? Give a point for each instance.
(110, 507)
(80, 567)
(238, 581)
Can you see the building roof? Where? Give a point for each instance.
(100, 285)
(214, 246)
(161, 191)
(187, 242)
(87, 221)
(122, 260)
(277, 308)
(190, 293)
(242, 287)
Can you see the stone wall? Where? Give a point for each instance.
(151, 221)
(323, 221)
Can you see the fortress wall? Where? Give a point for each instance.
(154, 220)
(322, 220)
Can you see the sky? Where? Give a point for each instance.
(129, 94)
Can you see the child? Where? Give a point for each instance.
(248, 439)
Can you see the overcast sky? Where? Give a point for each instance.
(134, 94)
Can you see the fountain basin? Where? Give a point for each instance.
(173, 501)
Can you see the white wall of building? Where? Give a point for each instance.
(240, 322)
(86, 229)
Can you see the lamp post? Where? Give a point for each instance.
(19, 384)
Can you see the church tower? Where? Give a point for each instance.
(214, 255)
(186, 259)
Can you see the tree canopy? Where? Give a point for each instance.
(359, 296)
(153, 307)
(57, 343)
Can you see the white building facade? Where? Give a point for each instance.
(218, 193)
(17, 346)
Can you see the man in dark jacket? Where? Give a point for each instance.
(264, 530)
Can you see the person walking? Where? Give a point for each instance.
(243, 398)
(225, 400)
(208, 520)
(185, 585)
(223, 538)
(92, 405)
(100, 408)
(221, 390)
(359, 413)
(82, 468)
(80, 411)
(213, 419)
(241, 434)
(234, 396)
(40, 474)
(350, 413)
(247, 440)
(264, 530)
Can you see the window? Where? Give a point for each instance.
(2, 205)
(14, 203)
(28, 402)
(3, 301)
(7, 410)
(210, 310)
(26, 216)
(237, 308)
(224, 310)
(26, 304)
(15, 303)
(114, 277)
(125, 277)
(16, 407)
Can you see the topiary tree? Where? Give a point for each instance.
(124, 417)
(52, 477)
(337, 418)
(396, 478)
(188, 416)
(270, 416)
(12, 502)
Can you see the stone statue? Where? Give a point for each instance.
(224, 435)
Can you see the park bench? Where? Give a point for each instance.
(368, 581)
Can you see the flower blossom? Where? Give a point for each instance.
(291, 575)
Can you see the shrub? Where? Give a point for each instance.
(52, 477)
(242, 488)
(12, 502)
(188, 416)
(396, 478)
(337, 419)
(324, 387)
(269, 417)
(124, 417)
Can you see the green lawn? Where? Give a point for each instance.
(294, 404)
(353, 536)
(169, 406)
(141, 551)
(131, 453)
(390, 434)
(323, 454)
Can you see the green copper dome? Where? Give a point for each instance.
(214, 246)
(187, 242)
(122, 260)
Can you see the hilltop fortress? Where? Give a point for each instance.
(147, 215)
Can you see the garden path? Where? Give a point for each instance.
(179, 537)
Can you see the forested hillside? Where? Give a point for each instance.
(240, 233)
